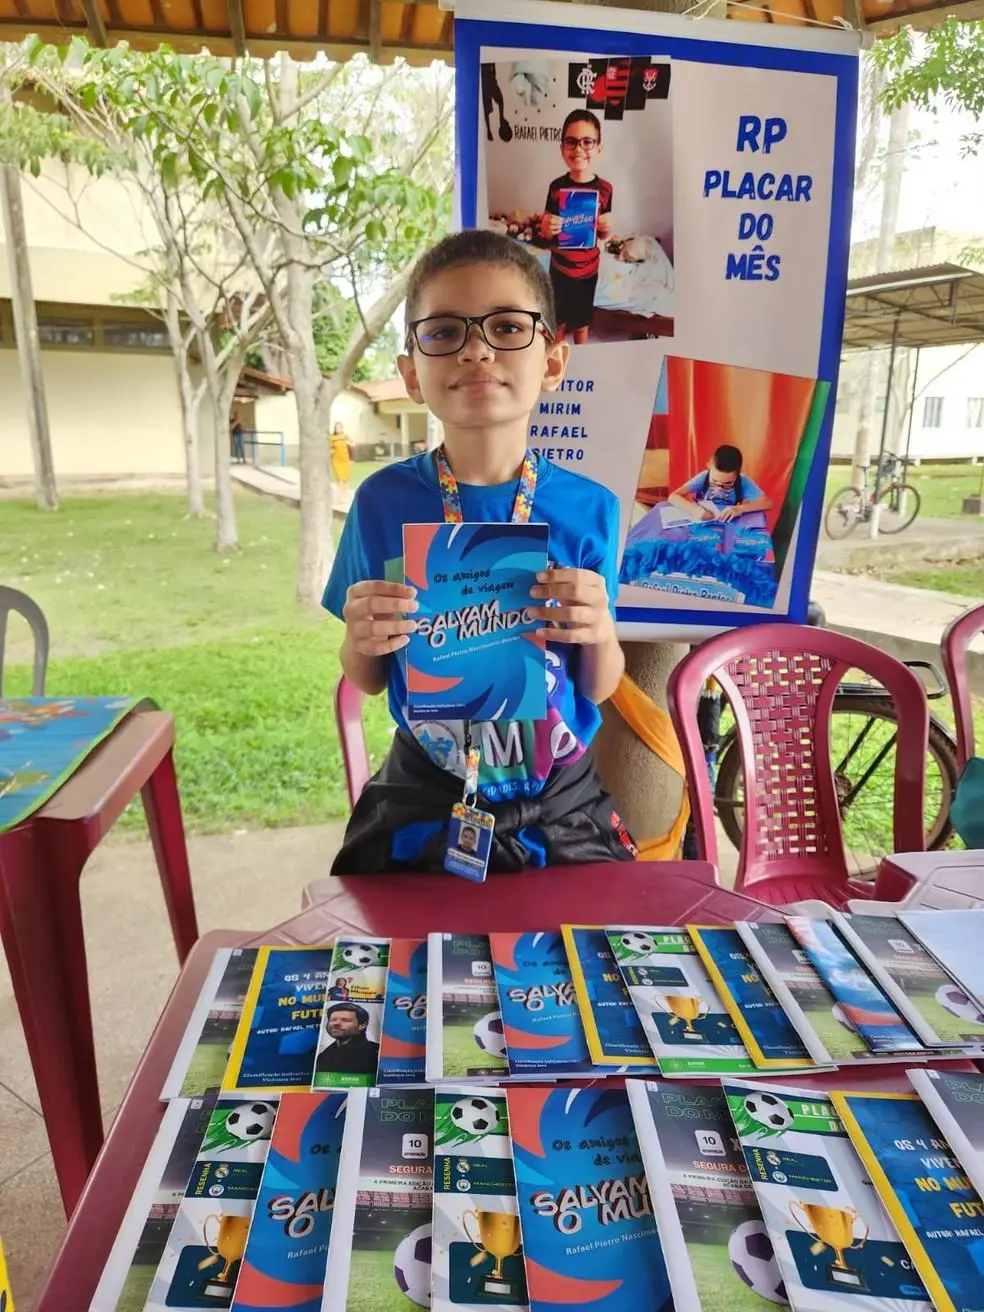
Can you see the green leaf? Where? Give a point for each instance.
(254, 97)
(341, 169)
(168, 165)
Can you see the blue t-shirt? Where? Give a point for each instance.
(701, 487)
(517, 756)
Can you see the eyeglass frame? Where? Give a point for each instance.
(478, 320)
(585, 143)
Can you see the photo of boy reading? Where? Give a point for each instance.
(577, 216)
(722, 491)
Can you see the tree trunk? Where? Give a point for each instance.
(28, 342)
(190, 407)
(222, 382)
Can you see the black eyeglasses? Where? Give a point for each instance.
(503, 330)
(586, 143)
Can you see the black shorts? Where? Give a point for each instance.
(574, 298)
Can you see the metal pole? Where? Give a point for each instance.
(875, 508)
(912, 406)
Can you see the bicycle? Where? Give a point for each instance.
(898, 500)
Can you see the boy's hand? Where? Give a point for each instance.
(729, 512)
(605, 225)
(583, 606)
(550, 226)
(373, 615)
(707, 513)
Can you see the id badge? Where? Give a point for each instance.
(469, 843)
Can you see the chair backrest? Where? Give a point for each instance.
(781, 680)
(12, 600)
(352, 737)
(957, 637)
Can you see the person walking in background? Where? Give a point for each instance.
(236, 432)
(341, 456)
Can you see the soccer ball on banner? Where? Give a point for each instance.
(489, 1035)
(253, 1121)
(412, 1265)
(360, 955)
(958, 1004)
(639, 944)
(754, 1261)
(475, 1115)
(769, 1111)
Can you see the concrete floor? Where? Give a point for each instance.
(248, 881)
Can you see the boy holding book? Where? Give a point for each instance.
(574, 269)
(480, 348)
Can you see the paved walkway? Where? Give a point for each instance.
(284, 483)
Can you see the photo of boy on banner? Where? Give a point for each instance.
(603, 224)
(739, 444)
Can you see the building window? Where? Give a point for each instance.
(975, 411)
(932, 412)
(66, 332)
(135, 337)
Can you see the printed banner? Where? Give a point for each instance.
(688, 189)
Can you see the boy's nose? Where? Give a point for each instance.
(475, 346)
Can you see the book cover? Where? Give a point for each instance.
(586, 1217)
(718, 1253)
(862, 1002)
(203, 1055)
(403, 1042)
(936, 1209)
(204, 1249)
(478, 652)
(477, 1257)
(465, 1037)
(763, 1026)
(835, 1243)
(286, 1254)
(934, 1005)
(956, 1103)
(805, 998)
(277, 1035)
(379, 1254)
(348, 1046)
(684, 1020)
(954, 938)
(542, 1024)
(611, 1023)
(139, 1245)
(578, 218)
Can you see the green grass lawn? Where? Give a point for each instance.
(941, 488)
(138, 603)
(964, 578)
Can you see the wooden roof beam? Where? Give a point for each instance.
(237, 26)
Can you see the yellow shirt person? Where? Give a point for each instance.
(341, 456)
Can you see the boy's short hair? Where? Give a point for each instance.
(727, 459)
(581, 116)
(482, 246)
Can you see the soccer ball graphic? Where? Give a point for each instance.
(637, 943)
(254, 1121)
(360, 955)
(412, 1265)
(488, 1034)
(754, 1261)
(475, 1115)
(958, 1004)
(768, 1110)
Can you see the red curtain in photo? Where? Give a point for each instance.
(763, 414)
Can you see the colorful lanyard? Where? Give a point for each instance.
(522, 506)
(521, 512)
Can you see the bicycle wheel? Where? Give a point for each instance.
(843, 512)
(862, 732)
(900, 504)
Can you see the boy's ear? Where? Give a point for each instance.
(555, 365)
(408, 372)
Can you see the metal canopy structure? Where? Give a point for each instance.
(942, 305)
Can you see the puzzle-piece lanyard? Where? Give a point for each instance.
(521, 512)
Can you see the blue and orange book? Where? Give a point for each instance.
(540, 1016)
(578, 219)
(403, 1042)
(478, 652)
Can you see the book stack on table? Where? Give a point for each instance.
(391, 1124)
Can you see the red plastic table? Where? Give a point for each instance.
(950, 880)
(669, 893)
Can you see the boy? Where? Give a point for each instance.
(574, 273)
(480, 348)
(722, 492)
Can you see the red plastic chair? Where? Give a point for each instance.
(780, 680)
(352, 737)
(957, 637)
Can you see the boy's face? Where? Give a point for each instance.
(468, 840)
(580, 146)
(479, 387)
(719, 479)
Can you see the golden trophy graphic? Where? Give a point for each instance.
(229, 1246)
(687, 1007)
(498, 1238)
(833, 1227)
